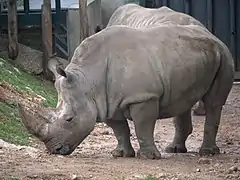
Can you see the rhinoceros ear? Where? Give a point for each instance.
(61, 71)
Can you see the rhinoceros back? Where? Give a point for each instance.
(136, 16)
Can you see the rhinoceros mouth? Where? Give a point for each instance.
(62, 149)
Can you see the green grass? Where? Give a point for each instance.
(11, 127)
(11, 178)
(149, 177)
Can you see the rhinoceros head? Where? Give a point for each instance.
(64, 128)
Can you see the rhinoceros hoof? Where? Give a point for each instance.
(176, 148)
(149, 154)
(121, 152)
(208, 151)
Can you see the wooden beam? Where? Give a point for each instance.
(47, 37)
(12, 30)
(84, 28)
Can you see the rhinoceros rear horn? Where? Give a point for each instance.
(34, 119)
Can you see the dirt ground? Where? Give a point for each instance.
(92, 159)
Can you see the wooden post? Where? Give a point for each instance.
(12, 30)
(47, 36)
(84, 28)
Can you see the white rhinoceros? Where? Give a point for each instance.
(142, 75)
(136, 16)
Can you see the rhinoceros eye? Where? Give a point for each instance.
(69, 119)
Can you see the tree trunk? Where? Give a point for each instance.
(12, 30)
(84, 28)
(47, 37)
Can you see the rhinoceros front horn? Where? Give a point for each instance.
(36, 120)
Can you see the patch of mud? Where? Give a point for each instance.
(92, 159)
(9, 93)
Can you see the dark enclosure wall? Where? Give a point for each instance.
(221, 17)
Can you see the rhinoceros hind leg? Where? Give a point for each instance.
(214, 101)
(200, 109)
(183, 128)
(122, 132)
(212, 121)
(144, 116)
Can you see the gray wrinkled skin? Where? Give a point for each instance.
(142, 75)
(136, 16)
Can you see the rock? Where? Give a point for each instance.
(162, 175)
(232, 170)
(106, 132)
(234, 160)
(232, 176)
(21, 148)
(74, 177)
(29, 59)
(198, 170)
(94, 133)
(33, 176)
(211, 169)
(204, 161)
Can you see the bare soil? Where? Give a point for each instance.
(92, 159)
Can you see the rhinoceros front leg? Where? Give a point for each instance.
(144, 116)
(183, 128)
(122, 132)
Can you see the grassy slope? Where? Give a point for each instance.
(11, 128)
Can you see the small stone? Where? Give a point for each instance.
(90, 175)
(204, 161)
(234, 160)
(60, 156)
(94, 134)
(32, 176)
(198, 170)
(211, 169)
(233, 168)
(162, 175)
(21, 148)
(232, 176)
(74, 177)
(106, 132)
